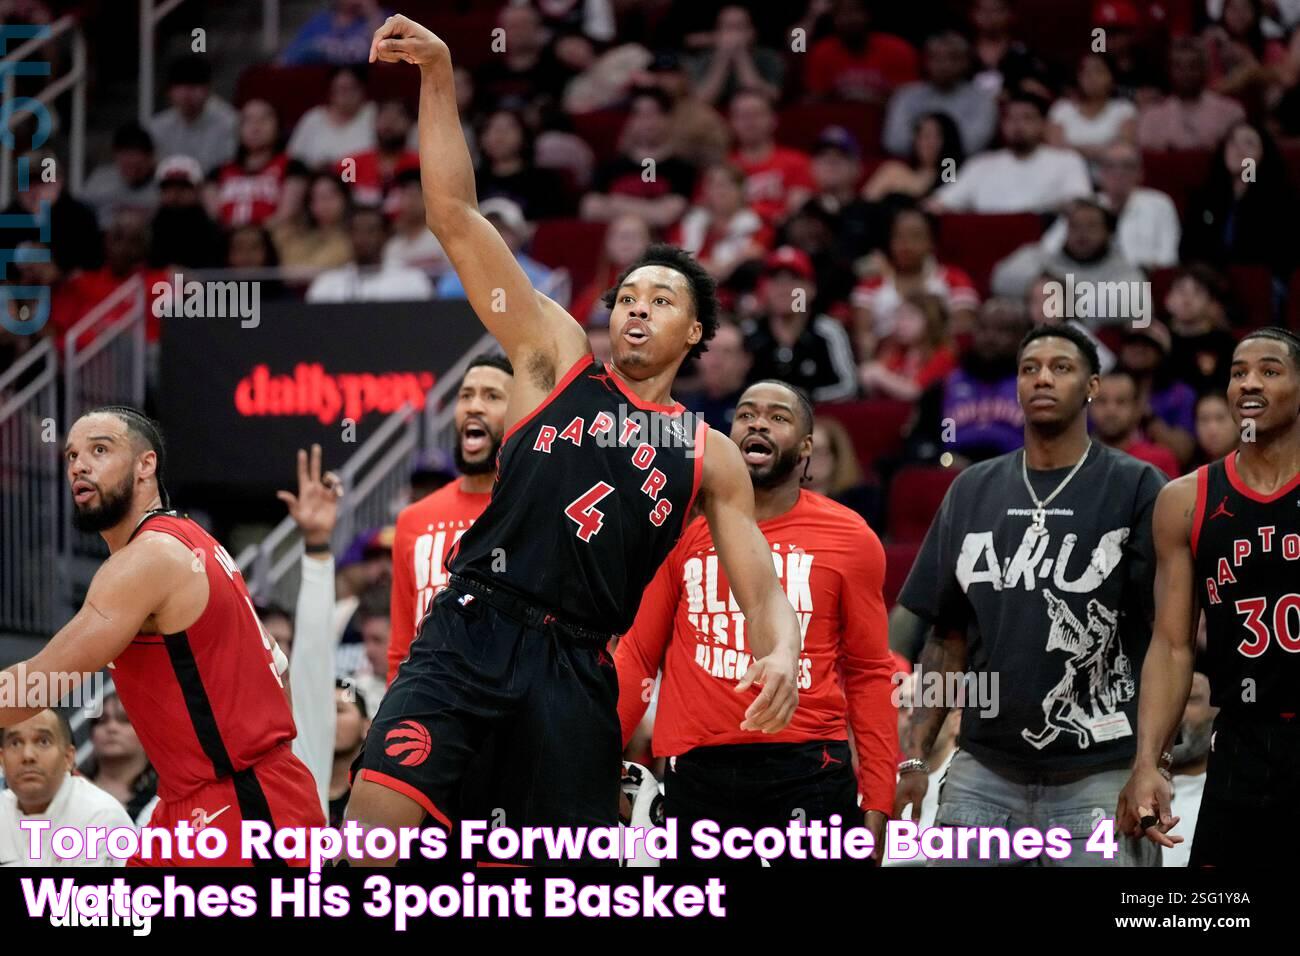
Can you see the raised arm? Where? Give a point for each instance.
(535, 332)
(1167, 670)
(132, 586)
(770, 623)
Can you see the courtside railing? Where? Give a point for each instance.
(29, 493)
(374, 480)
(13, 65)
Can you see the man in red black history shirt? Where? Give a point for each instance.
(194, 668)
(597, 474)
(832, 567)
(428, 530)
(1228, 544)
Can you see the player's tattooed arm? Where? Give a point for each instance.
(148, 578)
(1167, 669)
(944, 652)
(771, 625)
(531, 328)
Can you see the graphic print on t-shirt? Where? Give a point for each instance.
(1097, 677)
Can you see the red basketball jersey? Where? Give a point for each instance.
(206, 702)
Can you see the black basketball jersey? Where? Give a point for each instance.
(1247, 558)
(592, 490)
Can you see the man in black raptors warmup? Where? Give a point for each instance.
(596, 477)
(1228, 543)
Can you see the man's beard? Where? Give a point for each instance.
(115, 504)
(484, 467)
(1193, 745)
(394, 143)
(783, 463)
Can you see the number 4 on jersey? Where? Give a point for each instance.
(584, 513)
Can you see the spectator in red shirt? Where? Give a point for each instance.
(778, 179)
(916, 355)
(909, 266)
(126, 254)
(1116, 417)
(721, 231)
(833, 570)
(857, 63)
(256, 188)
(373, 174)
(645, 179)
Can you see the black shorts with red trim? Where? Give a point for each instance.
(499, 718)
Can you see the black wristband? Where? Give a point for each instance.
(317, 548)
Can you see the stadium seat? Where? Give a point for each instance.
(600, 129)
(1292, 318)
(1180, 173)
(875, 425)
(1252, 286)
(979, 241)
(800, 125)
(573, 244)
(915, 493)
(899, 559)
(292, 90)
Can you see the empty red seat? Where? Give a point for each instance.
(1180, 173)
(899, 559)
(875, 425)
(573, 244)
(600, 129)
(976, 242)
(915, 494)
(800, 125)
(1252, 286)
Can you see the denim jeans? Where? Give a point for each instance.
(974, 795)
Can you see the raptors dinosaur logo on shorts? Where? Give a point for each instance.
(408, 743)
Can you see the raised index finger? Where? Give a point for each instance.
(302, 470)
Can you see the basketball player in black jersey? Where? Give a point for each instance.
(596, 476)
(1228, 544)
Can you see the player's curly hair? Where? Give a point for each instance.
(704, 290)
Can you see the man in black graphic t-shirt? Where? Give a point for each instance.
(1036, 578)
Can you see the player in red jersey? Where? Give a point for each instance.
(832, 568)
(1228, 546)
(428, 529)
(169, 614)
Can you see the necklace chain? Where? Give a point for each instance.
(1040, 507)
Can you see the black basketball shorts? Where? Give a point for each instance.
(531, 709)
(1250, 810)
(759, 785)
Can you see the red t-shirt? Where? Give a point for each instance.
(209, 701)
(923, 371)
(832, 567)
(424, 536)
(246, 197)
(1154, 454)
(372, 187)
(884, 64)
(768, 181)
(84, 291)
